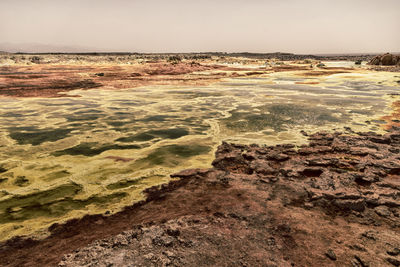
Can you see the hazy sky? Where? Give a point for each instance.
(298, 26)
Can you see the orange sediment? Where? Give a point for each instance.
(394, 118)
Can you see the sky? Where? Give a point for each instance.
(295, 26)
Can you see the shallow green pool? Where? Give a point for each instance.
(62, 158)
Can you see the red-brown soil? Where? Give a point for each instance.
(306, 82)
(281, 68)
(394, 118)
(46, 80)
(334, 202)
(326, 72)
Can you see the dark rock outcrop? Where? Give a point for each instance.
(334, 201)
(385, 60)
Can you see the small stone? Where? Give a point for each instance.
(351, 204)
(361, 262)
(393, 261)
(331, 255)
(308, 205)
(165, 261)
(358, 248)
(393, 252)
(249, 156)
(312, 172)
(382, 211)
(173, 232)
(278, 156)
(149, 256)
(271, 242)
(169, 254)
(359, 151)
(364, 178)
(369, 235)
(262, 167)
(164, 241)
(304, 133)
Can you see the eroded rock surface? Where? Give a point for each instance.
(385, 60)
(334, 202)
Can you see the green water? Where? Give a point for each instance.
(65, 157)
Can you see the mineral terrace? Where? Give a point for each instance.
(199, 160)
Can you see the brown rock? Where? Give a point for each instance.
(385, 60)
(393, 261)
(383, 211)
(331, 255)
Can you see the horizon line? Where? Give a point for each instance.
(202, 52)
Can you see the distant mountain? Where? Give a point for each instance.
(42, 48)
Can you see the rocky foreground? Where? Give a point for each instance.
(334, 202)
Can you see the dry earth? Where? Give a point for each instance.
(334, 202)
